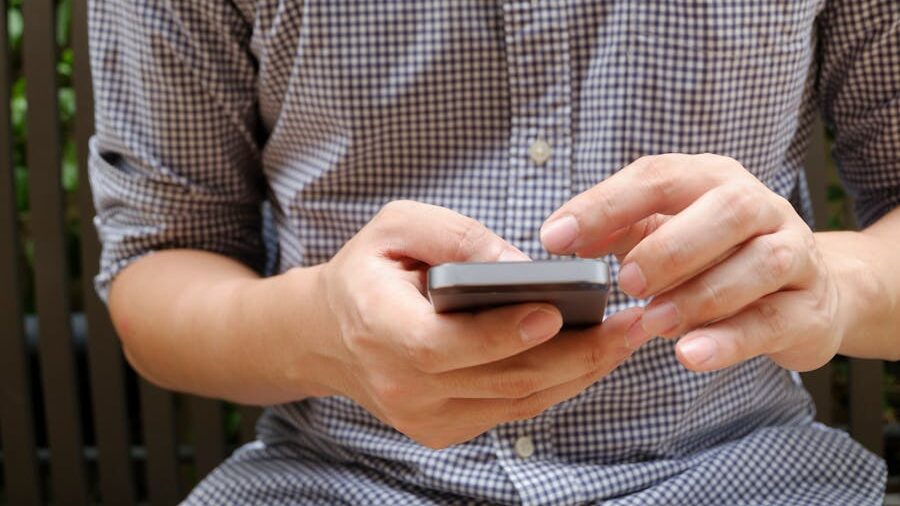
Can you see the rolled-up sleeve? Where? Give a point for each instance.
(859, 88)
(174, 162)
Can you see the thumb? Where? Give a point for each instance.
(437, 235)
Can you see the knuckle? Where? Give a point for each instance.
(748, 342)
(606, 209)
(594, 358)
(670, 158)
(358, 341)
(783, 205)
(807, 254)
(391, 217)
(673, 252)
(368, 310)
(808, 241)
(390, 392)
(820, 319)
(645, 160)
(527, 409)
(822, 309)
(397, 207)
(591, 207)
(358, 332)
(479, 333)
(657, 175)
(517, 385)
(771, 318)
(778, 260)
(386, 214)
(712, 296)
(739, 205)
(470, 235)
(595, 207)
(719, 161)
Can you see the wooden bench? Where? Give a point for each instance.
(77, 425)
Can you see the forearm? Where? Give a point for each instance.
(202, 323)
(866, 265)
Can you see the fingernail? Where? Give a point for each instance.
(632, 280)
(539, 325)
(635, 336)
(698, 350)
(560, 234)
(513, 255)
(660, 319)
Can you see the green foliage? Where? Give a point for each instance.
(15, 24)
(232, 423)
(837, 204)
(19, 108)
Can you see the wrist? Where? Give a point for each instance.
(289, 334)
(864, 302)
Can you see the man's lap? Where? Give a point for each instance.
(284, 474)
(832, 472)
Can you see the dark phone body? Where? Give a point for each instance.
(579, 288)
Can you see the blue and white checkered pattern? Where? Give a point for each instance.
(331, 108)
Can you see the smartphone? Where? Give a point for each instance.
(579, 288)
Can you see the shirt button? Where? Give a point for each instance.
(540, 152)
(524, 447)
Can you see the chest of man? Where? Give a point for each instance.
(502, 110)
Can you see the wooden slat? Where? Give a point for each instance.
(158, 420)
(866, 387)
(866, 423)
(51, 280)
(819, 383)
(208, 434)
(104, 354)
(249, 415)
(817, 164)
(16, 417)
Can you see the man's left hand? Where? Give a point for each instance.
(731, 266)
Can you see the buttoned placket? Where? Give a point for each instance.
(540, 179)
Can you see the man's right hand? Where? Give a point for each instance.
(442, 379)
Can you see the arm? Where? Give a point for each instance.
(159, 69)
(733, 271)
(360, 326)
(177, 184)
(859, 89)
(203, 323)
(866, 265)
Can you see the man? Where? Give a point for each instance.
(391, 136)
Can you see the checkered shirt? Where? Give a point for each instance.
(325, 110)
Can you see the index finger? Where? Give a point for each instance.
(436, 235)
(663, 184)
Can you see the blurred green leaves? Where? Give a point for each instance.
(838, 207)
